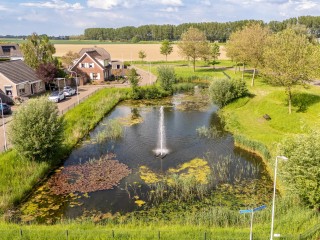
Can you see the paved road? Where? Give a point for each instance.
(83, 92)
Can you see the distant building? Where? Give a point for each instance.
(10, 51)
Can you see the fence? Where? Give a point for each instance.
(34, 232)
(76, 103)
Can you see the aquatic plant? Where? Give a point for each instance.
(91, 176)
(211, 132)
(113, 129)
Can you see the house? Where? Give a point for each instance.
(94, 64)
(10, 51)
(19, 80)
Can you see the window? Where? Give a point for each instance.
(22, 89)
(91, 65)
(95, 76)
(118, 66)
(82, 65)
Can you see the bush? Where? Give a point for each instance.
(224, 91)
(36, 130)
(302, 171)
(166, 77)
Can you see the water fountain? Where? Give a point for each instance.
(161, 150)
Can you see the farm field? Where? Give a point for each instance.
(120, 50)
(128, 52)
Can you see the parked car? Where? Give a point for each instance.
(5, 108)
(57, 96)
(69, 91)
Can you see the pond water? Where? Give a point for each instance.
(182, 116)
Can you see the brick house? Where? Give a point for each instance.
(19, 80)
(95, 64)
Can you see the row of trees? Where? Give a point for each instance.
(214, 31)
(286, 58)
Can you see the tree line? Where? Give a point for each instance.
(214, 31)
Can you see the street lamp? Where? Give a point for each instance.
(4, 126)
(274, 192)
(76, 84)
(252, 212)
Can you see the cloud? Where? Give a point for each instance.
(170, 9)
(54, 4)
(3, 8)
(109, 4)
(305, 5)
(169, 2)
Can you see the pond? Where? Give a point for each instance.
(196, 144)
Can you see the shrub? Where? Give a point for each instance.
(224, 91)
(166, 77)
(302, 171)
(36, 129)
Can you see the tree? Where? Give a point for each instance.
(290, 60)
(215, 53)
(166, 48)
(301, 172)
(134, 78)
(166, 77)
(246, 46)
(36, 130)
(46, 72)
(194, 45)
(142, 54)
(68, 58)
(37, 50)
(224, 91)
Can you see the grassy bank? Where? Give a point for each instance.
(18, 176)
(210, 223)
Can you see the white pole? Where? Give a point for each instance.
(274, 197)
(251, 225)
(274, 193)
(4, 127)
(76, 85)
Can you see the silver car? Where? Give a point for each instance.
(69, 91)
(57, 96)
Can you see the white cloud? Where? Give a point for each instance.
(3, 8)
(54, 4)
(169, 2)
(32, 18)
(305, 5)
(109, 4)
(170, 9)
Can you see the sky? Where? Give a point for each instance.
(71, 17)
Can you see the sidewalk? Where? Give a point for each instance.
(83, 92)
